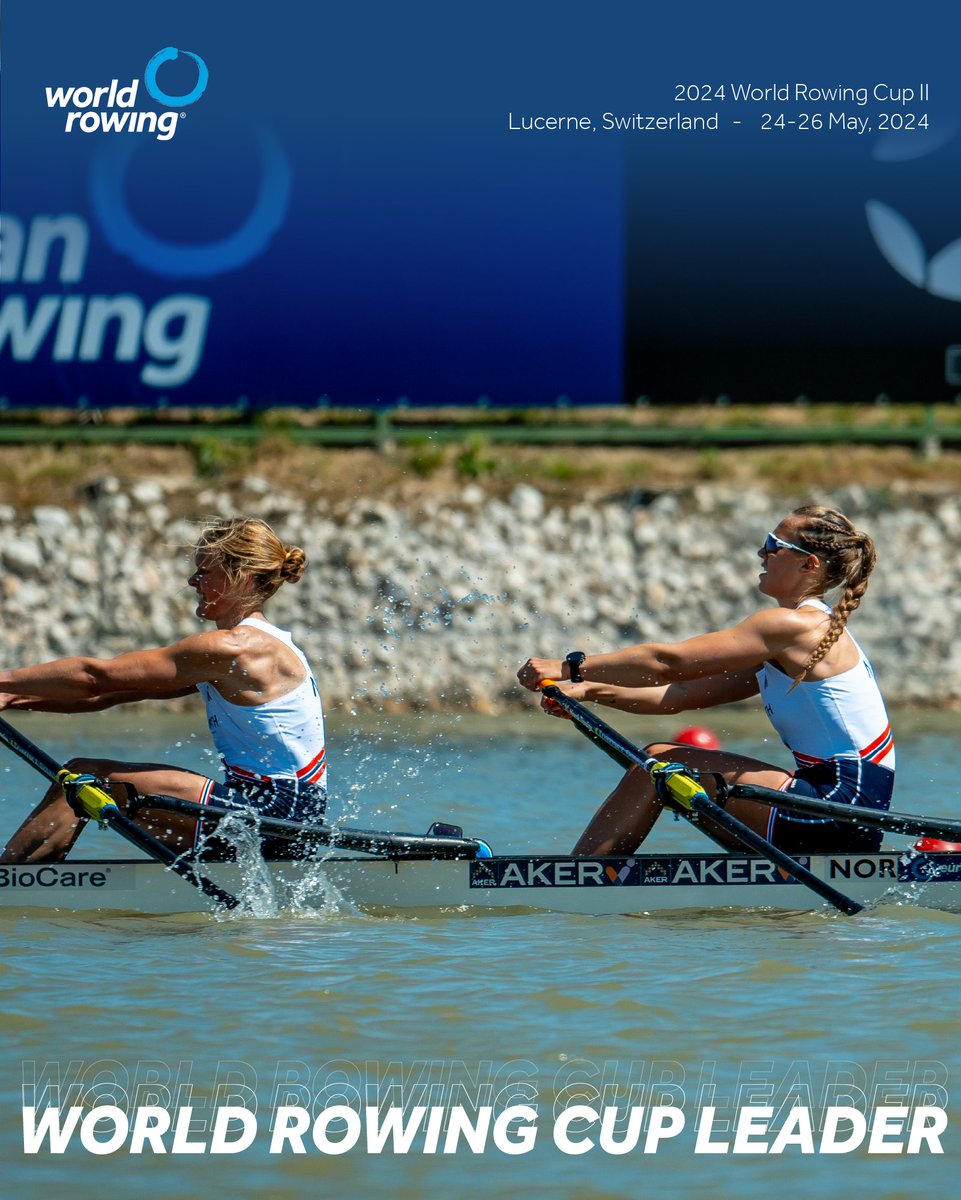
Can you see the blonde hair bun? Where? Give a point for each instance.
(246, 547)
(295, 560)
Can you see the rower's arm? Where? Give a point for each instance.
(744, 646)
(726, 688)
(89, 684)
(95, 704)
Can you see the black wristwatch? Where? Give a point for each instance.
(574, 660)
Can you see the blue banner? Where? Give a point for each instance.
(284, 204)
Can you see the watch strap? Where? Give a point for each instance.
(574, 661)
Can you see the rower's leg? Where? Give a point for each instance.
(49, 833)
(628, 814)
(624, 819)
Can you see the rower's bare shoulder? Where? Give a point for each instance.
(215, 644)
(782, 626)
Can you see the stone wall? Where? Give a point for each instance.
(437, 603)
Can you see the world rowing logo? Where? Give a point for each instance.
(112, 107)
(169, 54)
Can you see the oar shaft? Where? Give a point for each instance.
(628, 755)
(760, 845)
(112, 816)
(366, 841)
(150, 845)
(37, 758)
(854, 814)
(614, 744)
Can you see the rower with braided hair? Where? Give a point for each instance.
(817, 686)
(849, 558)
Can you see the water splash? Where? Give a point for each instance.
(299, 888)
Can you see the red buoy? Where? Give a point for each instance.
(700, 736)
(935, 846)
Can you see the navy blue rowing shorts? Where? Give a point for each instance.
(278, 798)
(842, 781)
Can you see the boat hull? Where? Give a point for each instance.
(636, 884)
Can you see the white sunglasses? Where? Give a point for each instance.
(772, 543)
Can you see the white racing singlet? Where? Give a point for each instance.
(822, 719)
(280, 739)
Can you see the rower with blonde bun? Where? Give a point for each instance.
(263, 705)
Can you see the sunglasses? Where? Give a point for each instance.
(772, 543)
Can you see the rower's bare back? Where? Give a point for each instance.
(813, 623)
(261, 668)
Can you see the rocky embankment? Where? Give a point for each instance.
(438, 602)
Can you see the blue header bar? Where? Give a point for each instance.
(513, 206)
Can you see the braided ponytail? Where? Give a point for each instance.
(849, 557)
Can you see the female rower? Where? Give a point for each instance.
(818, 689)
(263, 707)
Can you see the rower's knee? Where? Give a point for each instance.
(85, 766)
(660, 749)
(99, 768)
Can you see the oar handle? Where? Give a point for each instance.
(674, 782)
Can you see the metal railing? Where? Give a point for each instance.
(922, 429)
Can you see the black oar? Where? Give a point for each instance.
(95, 802)
(854, 814)
(684, 794)
(367, 841)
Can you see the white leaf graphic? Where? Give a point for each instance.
(944, 272)
(896, 148)
(897, 241)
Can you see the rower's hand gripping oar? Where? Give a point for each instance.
(678, 787)
(89, 798)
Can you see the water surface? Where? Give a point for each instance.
(729, 1008)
